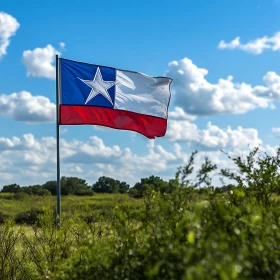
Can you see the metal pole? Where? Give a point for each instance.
(58, 186)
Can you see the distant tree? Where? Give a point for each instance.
(123, 187)
(225, 188)
(42, 192)
(109, 185)
(69, 185)
(30, 190)
(13, 188)
(106, 185)
(147, 184)
(51, 187)
(73, 185)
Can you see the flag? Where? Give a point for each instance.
(120, 99)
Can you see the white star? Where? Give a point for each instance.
(98, 86)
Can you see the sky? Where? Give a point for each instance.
(222, 55)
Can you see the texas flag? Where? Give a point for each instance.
(120, 99)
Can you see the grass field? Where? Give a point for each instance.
(182, 235)
(69, 204)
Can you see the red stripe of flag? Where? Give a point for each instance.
(149, 126)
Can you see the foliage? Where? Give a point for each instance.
(3, 217)
(148, 184)
(13, 188)
(182, 229)
(12, 260)
(51, 187)
(173, 238)
(183, 173)
(20, 195)
(258, 175)
(70, 186)
(29, 217)
(36, 190)
(109, 185)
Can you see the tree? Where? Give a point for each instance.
(123, 187)
(51, 187)
(13, 188)
(73, 185)
(148, 184)
(42, 192)
(69, 185)
(106, 185)
(109, 185)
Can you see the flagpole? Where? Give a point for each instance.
(58, 185)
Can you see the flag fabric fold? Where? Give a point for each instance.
(120, 99)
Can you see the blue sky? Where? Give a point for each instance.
(208, 110)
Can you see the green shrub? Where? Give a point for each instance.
(84, 192)
(29, 217)
(20, 195)
(12, 260)
(3, 217)
(174, 238)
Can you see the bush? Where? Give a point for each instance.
(3, 217)
(174, 238)
(258, 175)
(13, 188)
(12, 260)
(20, 196)
(43, 192)
(84, 193)
(30, 217)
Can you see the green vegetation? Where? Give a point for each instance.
(181, 229)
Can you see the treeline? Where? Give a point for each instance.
(246, 176)
(70, 186)
(78, 186)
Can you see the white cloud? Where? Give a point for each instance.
(195, 95)
(256, 46)
(182, 131)
(276, 131)
(8, 28)
(180, 114)
(25, 107)
(213, 137)
(40, 62)
(62, 45)
(27, 160)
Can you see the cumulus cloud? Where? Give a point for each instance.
(256, 46)
(27, 158)
(180, 114)
(40, 62)
(8, 28)
(23, 106)
(213, 137)
(196, 96)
